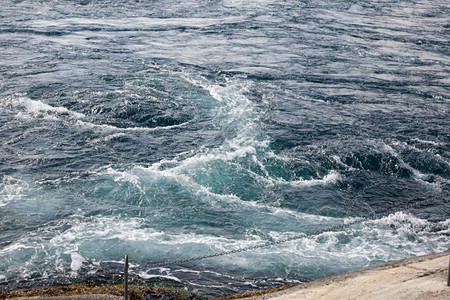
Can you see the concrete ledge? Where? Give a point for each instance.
(423, 277)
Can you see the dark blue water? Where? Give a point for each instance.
(172, 129)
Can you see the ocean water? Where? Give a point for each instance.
(173, 129)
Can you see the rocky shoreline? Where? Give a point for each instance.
(95, 291)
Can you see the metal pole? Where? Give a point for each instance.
(448, 274)
(125, 278)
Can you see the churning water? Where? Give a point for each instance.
(173, 129)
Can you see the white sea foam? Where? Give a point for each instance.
(125, 177)
(301, 216)
(32, 109)
(436, 156)
(144, 275)
(239, 147)
(392, 237)
(11, 189)
(15, 247)
(139, 175)
(417, 175)
(246, 142)
(426, 142)
(131, 229)
(338, 160)
(106, 127)
(388, 238)
(330, 178)
(103, 228)
(39, 109)
(188, 271)
(77, 262)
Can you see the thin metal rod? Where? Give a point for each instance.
(125, 278)
(448, 273)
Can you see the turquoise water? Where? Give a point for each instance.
(168, 130)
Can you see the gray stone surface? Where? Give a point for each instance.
(420, 278)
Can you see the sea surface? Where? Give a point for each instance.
(174, 129)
